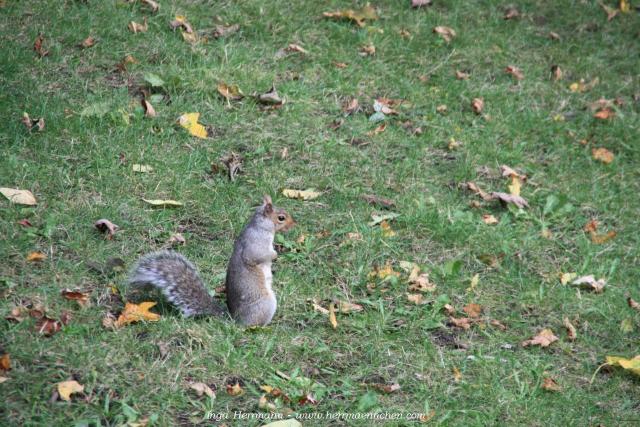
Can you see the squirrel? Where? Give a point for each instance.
(250, 298)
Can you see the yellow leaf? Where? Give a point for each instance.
(190, 37)
(332, 316)
(163, 203)
(36, 257)
(457, 375)
(387, 231)
(567, 277)
(384, 272)
(189, 121)
(235, 389)
(624, 6)
(137, 312)
(21, 197)
(632, 365)
(357, 16)
(474, 282)
(308, 194)
(515, 186)
(231, 92)
(67, 388)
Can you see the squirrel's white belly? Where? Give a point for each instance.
(268, 277)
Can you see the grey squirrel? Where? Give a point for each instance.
(250, 298)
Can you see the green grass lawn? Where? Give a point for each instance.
(80, 168)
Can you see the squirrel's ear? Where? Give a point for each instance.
(268, 204)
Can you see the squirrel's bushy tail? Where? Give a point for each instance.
(178, 280)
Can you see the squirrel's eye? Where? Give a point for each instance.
(281, 218)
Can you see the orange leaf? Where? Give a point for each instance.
(602, 154)
(544, 339)
(477, 105)
(550, 384)
(473, 310)
(604, 114)
(514, 71)
(5, 362)
(135, 313)
(36, 257)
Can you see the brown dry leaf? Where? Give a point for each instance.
(604, 114)
(457, 375)
(510, 198)
(511, 13)
(317, 307)
(296, 48)
(135, 27)
(590, 283)
(379, 129)
(554, 36)
(544, 339)
(473, 187)
(498, 324)
(235, 389)
(308, 194)
(372, 199)
(36, 257)
(20, 197)
(176, 240)
(180, 21)
(442, 109)
(135, 313)
(48, 326)
(633, 304)
(332, 316)
(350, 106)
(202, 388)
(81, 297)
(550, 384)
(230, 92)
(556, 71)
(571, 330)
(38, 46)
(225, 30)
(17, 314)
(340, 64)
(30, 123)
(599, 239)
(514, 71)
(387, 388)
(384, 272)
(473, 310)
(359, 17)
(367, 50)
(463, 323)
(420, 282)
(421, 3)
(489, 219)
(461, 75)
(602, 154)
(417, 299)
(446, 33)
(67, 388)
(122, 65)
(5, 362)
(449, 309)
(404, 33)
(271, 98)
(153, 5)
(149, 111)
(105, 226)
(510, 172)
(88, 42)
(477, 105)
(591, 226)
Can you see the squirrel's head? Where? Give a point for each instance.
(280, 218)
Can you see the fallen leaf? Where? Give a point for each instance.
(176, 239)
(225, 30)
(510, 198)
(449, 309)
(384, 272)
(332, 316)
(230, 92)
(377, 218)
(515, 186)
(489, 219)
(292, 48)
(571, 330)
(372, 199)
(550, 384)
(271, 98)
(38, 46)
(463, 323)
(141, 168)
(457, 375)
(384, 105)
(442, 109)
(624, 6)
(30, 123)
(511, 13)
(633, 304)
(88, 42)
(514, 71)
(417, 299)
(48, 326)
(404, 33)
(419, 282)
(599, 239)
(632, 365)
(510, 172)
(20, 197)
(379, 129)
(421, 3)
(387, 388)
(153, 5)
(453, 144)
(477, 105)
(350, 106)
(461, 75)
(556, 71)
(135, 27)
(36, 257)
(189, 121)
(81, 297)
(387, 231)
(498, 324)
(5, 362)
(359, 17)
(106, 226)
(136, 313)
(554, 36)
(149, 111)
(317, 307)
(589, 283)
(544, 339)
(367, 50)
(180, 21)
(348, 307)
(307, 399)
(610, 11)
(67, 388)
(475, 280)
(582, 86)
(473, 187)
(340, 64)
(604, 114)
(473, 310)
(602, 154)
(202, 388)
(17, 314)
(308, 194)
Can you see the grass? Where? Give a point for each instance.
(80, 170)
